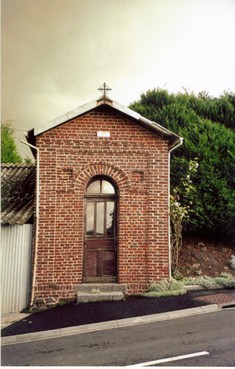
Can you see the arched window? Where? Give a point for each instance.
(100, 187)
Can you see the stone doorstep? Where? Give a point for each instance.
(83, 297)
(92, 292)
(100, 287)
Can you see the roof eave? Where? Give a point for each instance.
(150, 125)
(66, 117)
(105, 100)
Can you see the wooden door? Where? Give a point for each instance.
(100, 244)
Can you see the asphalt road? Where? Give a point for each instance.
(212, 333)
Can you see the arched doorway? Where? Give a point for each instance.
(100, 244)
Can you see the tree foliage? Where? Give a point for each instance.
(208, 127)
(9, 153)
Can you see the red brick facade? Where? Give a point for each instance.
(136, 160)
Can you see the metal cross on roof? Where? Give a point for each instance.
(104, 88)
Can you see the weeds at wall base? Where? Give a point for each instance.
(43, 305)
(166, 288)
(225, 280)
(176, 288)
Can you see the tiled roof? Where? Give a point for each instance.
(17, 187)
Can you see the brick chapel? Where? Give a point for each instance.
(103, 200)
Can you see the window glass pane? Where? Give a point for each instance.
(110, 218)
(100, 219)
(107, 187)
(90, 218)
(94, 187)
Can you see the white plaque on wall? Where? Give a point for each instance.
(103, 134)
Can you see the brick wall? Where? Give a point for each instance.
(137, 160)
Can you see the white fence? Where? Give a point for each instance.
(16, 250)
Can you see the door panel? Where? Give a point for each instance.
(100, 262)
(91, 263)
(109, 263)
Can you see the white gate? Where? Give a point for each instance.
(16, 251)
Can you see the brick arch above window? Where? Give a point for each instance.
(102, 169)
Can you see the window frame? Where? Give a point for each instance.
(101, 198)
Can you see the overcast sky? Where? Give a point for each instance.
(57, 53)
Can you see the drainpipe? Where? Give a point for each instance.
(169, 205)
(36, 225)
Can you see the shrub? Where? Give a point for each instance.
(166, 288)
(232, 262)
(226, 280)
(206, 282)
(207, 125)
(203, 281)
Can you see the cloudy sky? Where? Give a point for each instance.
(57, 53)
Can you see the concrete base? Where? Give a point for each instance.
(91, 292)
(102, 296)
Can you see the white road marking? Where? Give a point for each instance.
(169, 359)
